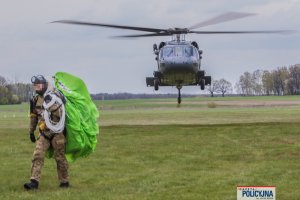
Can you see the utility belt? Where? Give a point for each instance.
(45, 132)
(48, 137)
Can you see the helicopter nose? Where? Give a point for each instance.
(181, 63)
(179, 66)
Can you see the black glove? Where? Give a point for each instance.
(32, 137)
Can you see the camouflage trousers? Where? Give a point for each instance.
(58, 145)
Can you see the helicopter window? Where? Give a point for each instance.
(196, 53)
(167, 52)
(188, 51)
(178, 51)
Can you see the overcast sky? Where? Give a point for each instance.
(31, 45)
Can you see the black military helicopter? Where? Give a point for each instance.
(178, 60)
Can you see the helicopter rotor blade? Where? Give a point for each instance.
(171, 31)
(154, 30)
(244, 32)
(221, 18)
(142, 35)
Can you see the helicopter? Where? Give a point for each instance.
(178, 60)
(178, 64)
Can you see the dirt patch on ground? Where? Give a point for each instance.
(240, 103)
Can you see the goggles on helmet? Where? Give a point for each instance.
(39, 79)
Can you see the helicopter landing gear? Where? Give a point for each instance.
(156, 83)
(207, 80)
(179, 94)
(202, 84)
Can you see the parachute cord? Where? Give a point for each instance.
(56, 127)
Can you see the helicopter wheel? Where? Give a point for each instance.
(179, 98)
(179, 95)
(156, 84)
(202, 84)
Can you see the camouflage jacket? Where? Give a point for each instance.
(36, 114)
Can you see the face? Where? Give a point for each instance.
(38, 87)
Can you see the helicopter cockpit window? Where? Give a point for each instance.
(167, 52)
(188, 51)
(178, 51)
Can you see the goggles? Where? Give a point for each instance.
(39, 79)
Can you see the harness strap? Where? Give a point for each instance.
(45, 136)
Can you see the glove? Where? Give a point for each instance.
(32, 137)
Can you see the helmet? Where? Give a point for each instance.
(40, 79)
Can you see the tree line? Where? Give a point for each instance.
(14, 93)
(281, 81)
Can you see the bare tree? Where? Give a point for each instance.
(224, 86)
(212, 88)
(3, 81)
(267, 82)
(293, 83)
(280, 78)
(256, 82)
(244, 86)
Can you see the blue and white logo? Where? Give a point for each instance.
(256, 193)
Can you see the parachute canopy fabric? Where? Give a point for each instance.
(81, 116)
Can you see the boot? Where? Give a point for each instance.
(64, 185)
(33, 184)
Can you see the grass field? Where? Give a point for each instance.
(152, 149)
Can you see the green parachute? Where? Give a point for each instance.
(81, 116)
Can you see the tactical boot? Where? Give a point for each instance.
(33, 184)
(64, 185)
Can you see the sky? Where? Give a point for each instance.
(31, 45)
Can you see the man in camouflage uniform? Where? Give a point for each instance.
(47, 138)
